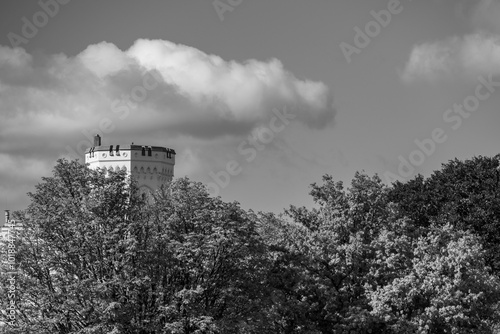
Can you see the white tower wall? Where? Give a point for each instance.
(151, 166)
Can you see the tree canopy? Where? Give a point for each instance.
(95, 256)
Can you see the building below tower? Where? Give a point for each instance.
(150, 166)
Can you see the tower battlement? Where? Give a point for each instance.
(151, 166)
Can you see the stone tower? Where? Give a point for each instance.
(151, 166)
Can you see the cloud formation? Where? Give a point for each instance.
(476, 53)
(198, 94)
(156, 90)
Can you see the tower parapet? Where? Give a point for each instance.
(151, 166)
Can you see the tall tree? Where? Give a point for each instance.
(76, 250)
(212, 262)
(322, 258)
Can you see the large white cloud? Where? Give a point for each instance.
(51, 102)
(197, 94)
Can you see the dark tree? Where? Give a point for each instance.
(465, 194)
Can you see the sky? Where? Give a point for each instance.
(258, 98)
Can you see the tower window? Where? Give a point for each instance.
(143, 151)
(150, 151)
(111, 150)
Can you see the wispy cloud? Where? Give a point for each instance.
(476, 53)
(472, 55)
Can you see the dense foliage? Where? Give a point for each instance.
(96, 256)
(465, 194)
